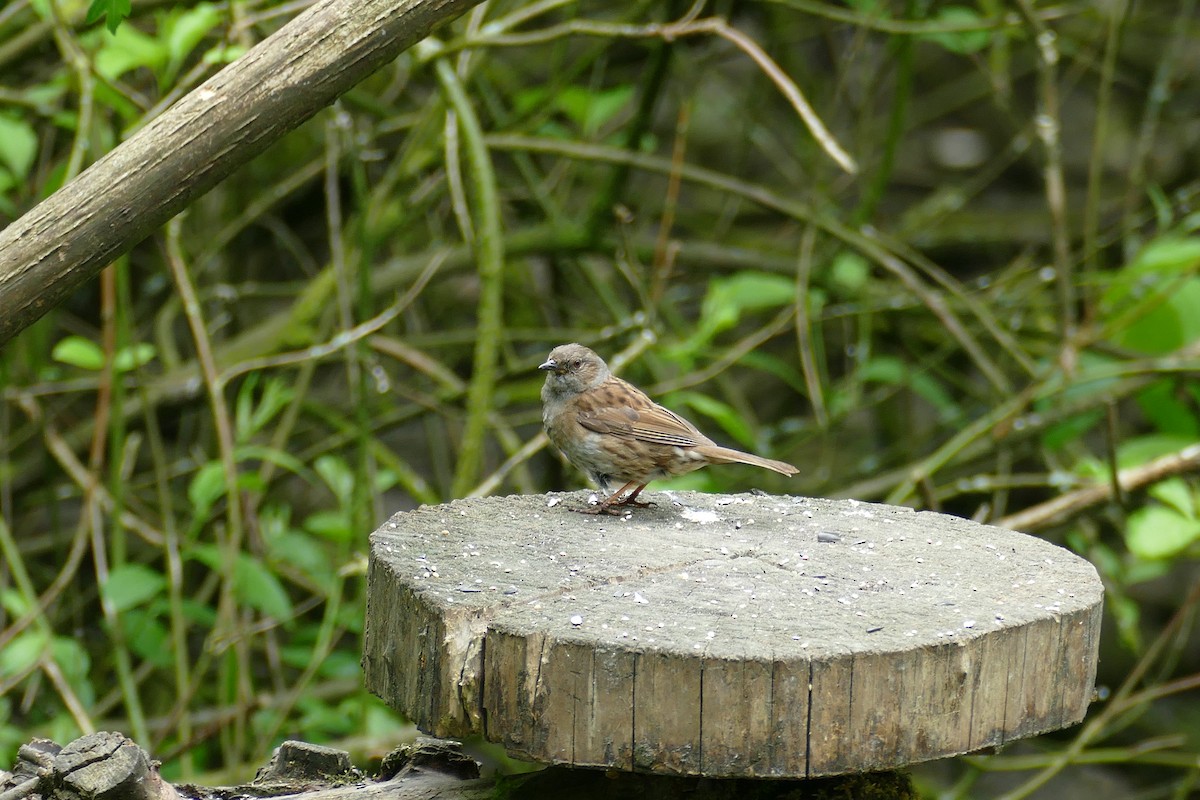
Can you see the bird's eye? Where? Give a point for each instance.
(576, 364)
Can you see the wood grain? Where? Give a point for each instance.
(719, 635)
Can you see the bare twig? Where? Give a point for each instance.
(1128, 480)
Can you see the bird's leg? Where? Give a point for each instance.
(631, 500)
(606, 506)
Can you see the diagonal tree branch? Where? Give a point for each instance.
(130, 192)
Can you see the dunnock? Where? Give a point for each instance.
(612, 431)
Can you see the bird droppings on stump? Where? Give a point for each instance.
(746, 635)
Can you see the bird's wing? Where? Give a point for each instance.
(638, 417)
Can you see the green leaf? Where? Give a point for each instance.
(1157, 532)
(337, 476)
(959, 41)
(252, 417)
(208, 484)
(18, 146)
(1167, 409)
(13, 602)
(1170, 324)
(79, 352)
(1142, 449)
(531, 99)
(591, 109)
(1176, 495)
(1070, 429)
(1128, 615)
(341, 664)
(890, 370)
(306, 554)
(224, 54)
(22, 652)
(74, 663)
(281, 459)
(199, 614)
(330, 524)
(786, 369)
(728, 299)
(254, 585)
(206, 488)
(1154, 295)
(385, 479)
(1167, 256)
(147, 637)
(113, 11)
(131, 585)
(133, 357)
(1093, 381)
(183, 29)
(129, 49)
(244, 407)
(258, 588)
(848, 273)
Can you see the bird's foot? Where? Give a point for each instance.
(599, 508)
(614, 502)
(636, 503)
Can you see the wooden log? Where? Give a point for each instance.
(731, 636)
(299, 764)
(107, 766)
(201, 139)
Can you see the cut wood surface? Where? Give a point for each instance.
(724, 635)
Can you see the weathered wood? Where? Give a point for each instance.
(727, 635)
(436, 769)
(295, 764)
(32, 774)
(235, 115)
(107, 766)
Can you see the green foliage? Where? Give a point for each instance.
(256, 586)
(113, 12)
(960, 38)
(131, 585)
(728, 300)
(18, 146)
(1153, 300)
(187, 540)
(1156, 532)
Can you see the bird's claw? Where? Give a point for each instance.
(637, 503)
(600, 508)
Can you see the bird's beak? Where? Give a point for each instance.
(550, 366)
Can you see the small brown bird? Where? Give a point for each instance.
(612, 431)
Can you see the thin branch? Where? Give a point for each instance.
(1128, 480)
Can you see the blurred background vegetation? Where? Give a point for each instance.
(1001, 307)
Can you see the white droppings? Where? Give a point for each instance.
(576, 620)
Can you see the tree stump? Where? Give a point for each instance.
(727, 636)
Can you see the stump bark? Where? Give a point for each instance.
(727, 636)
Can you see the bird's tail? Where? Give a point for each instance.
(724, 455)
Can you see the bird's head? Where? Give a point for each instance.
(573, 368)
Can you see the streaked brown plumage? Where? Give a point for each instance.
(614, 433)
